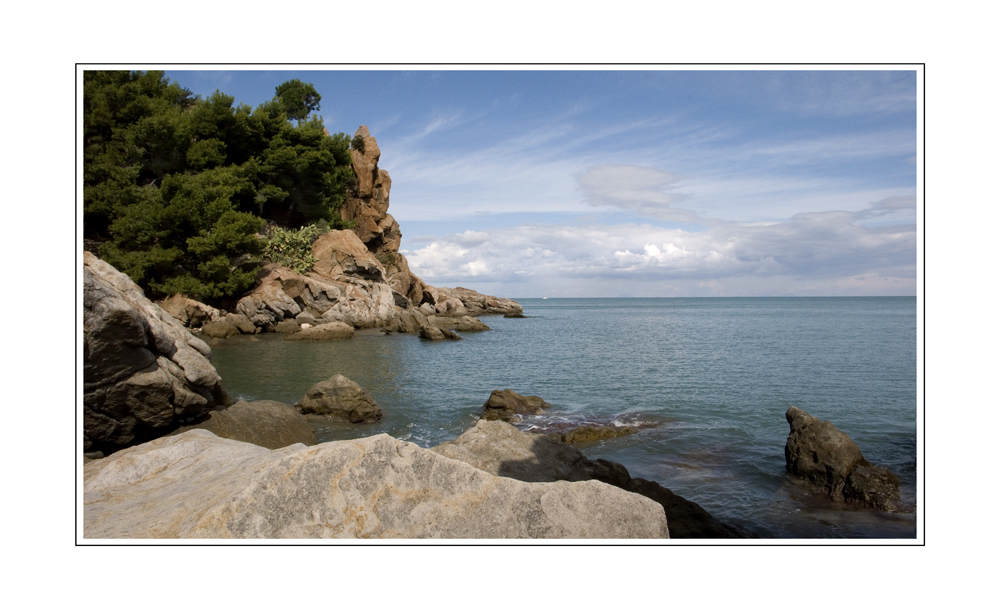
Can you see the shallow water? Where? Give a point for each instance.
(705, 380)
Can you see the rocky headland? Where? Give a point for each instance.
(360, 279)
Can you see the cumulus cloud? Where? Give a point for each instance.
(831, 246)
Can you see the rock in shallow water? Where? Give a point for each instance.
(197, 485)
(508, 405)
(501, 449)
(826, 457)
(262, 422)
(340, 399)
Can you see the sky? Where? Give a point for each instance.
(621, 183)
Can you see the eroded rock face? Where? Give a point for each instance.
(508, 405)
(458, 302)
(143, 372)
(340, 399)
(501, 449)
(263, 422)
(281, 294)
(197, 485)
(826, 457)
(190, 312)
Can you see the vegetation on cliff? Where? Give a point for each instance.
(177, 187)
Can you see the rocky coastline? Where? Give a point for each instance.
(168, 455)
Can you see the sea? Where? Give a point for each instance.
(704, 381)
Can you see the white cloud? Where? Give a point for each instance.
(808, 252)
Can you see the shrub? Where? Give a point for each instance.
(358, 143)
(292, 248)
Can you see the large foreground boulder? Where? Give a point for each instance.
(262, 422)
(508, 405)
(197, 485)
(502, 450)
(143, 372)
(827, 458)
(338, 398)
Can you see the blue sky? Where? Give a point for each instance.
(658, 182)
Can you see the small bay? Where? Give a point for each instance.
(706, 381)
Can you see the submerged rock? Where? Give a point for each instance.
(143, 372)
(592, 433)
(340, 399)
(507, 405)
(827, 458)
(263, 422)
(196, 485)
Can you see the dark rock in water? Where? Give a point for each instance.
(592, 433)
(825, 456)
(501, 449)
(515, 315)
(430, 332)
(143, 371)
(263, 422)
(686, 519)
(460, 324)
(508, 406)
(874, 487)
(340, 399)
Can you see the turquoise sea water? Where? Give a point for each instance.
(715, 375)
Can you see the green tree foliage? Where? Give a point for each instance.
(297, 98)
(177, 187)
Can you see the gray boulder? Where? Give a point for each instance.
(340, 399)
(507, 405)
(262, 422)
(826, 457)
(197, 485)
(143, 372)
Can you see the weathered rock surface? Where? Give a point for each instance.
(431, 332)
(458, 302)
(461, 324)
(190, 312)
(232, 324)
(501, 449)
(592, 433)
(197, 485)
(281, 293)
(335, 330)
(826, 457)
(340, 399)
(143, 372)
(507, 405)
(262, 422)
